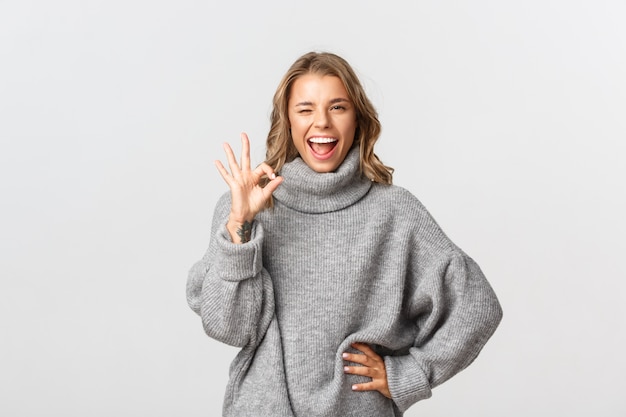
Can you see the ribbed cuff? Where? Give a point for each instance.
(407, 382)
(236, 262)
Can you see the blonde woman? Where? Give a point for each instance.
(345, 296)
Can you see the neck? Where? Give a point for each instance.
(313, 192)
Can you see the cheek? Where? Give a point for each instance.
(350, 130)
(299, 131)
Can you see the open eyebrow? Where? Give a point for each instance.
(333, 101)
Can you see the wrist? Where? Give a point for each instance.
(240, 230)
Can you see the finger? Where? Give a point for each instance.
(366, 349)
(357, 358)
(367, 386)
(232, 161)
(359, 370)
(272, 186)
(369, 352)
(374, 385)
(265, 169)
(223, 172)
(245, 152)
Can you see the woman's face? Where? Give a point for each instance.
(322, 120)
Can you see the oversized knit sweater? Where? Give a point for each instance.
(339, 259)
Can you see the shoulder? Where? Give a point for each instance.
(397, 199)
(408, 213)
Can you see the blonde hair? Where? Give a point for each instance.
(280, 147)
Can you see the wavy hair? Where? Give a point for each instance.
(280, 147)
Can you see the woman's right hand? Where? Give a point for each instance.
(247, 197)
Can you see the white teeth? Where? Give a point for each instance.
(322, 140)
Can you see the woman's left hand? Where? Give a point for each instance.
(373, 366)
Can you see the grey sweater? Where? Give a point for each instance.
(339, 259)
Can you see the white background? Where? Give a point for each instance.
(506, 118)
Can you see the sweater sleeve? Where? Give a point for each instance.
(455, 312)
(229, 288)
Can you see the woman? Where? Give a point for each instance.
(345, 296)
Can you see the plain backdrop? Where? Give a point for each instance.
(505, 118)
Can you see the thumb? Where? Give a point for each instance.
(272, 186)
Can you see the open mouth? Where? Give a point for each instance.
(322, 146)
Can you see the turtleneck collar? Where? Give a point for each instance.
(312, 192)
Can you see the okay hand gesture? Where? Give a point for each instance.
(247, 197)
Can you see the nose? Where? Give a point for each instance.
(322, 121)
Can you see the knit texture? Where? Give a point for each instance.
(337, 260)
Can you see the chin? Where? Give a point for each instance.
(322, 167)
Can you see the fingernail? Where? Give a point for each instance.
(345, 355)
(346, 369)
(273, 176)
(354, 388)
